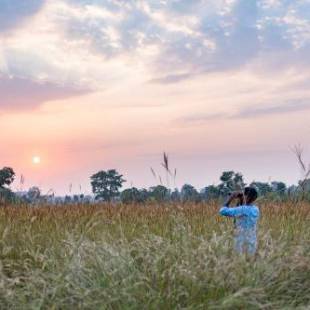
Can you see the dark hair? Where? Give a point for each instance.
(251, 194)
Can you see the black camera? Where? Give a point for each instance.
(239, 196)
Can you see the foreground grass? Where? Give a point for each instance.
(150, 257)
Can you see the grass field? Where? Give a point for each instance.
(151, 257)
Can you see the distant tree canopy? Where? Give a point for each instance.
(106, 184)
(159, 193)
(210, 192)
(175, 195)
(134, 195)
(7, 176)
(230, 181)
(305, 185)
(279, 187)
(34, 193)
(262, 187)
(189, 193)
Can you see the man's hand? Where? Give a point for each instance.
(233, 196)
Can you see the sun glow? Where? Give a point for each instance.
(36, 160)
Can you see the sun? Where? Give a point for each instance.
(36, 160)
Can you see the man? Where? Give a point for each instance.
(246, 216)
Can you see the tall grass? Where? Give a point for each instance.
(151, 257)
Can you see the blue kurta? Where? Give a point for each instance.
(246, 218)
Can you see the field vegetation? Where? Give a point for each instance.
(152, 249)
(152, 256)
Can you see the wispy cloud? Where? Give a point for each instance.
(270, 110)
(97, 44)
(188, 33)
(202, 118)
(18, 93)
(172, 78)
(253, 111)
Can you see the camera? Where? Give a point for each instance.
(239, 195)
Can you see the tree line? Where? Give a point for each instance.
(107, 187)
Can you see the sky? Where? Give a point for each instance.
(89, 85)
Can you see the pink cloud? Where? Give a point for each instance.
(19, 93)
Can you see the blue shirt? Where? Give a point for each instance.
(246, 218)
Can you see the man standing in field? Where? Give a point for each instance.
(246, 215)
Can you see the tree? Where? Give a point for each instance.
(33, 194)
(7, 196)
(231, 181)
(304, 185)
(262, 188)
(7, 176)
(292, 189)
(106, 184)
(175, 195)
(133, 195)
(210, 192)
(76, 198)
(279, 187)
(68, 199)
(159, 193)
(189, 193)
(144, 194)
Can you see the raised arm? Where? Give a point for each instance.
(232, 212)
